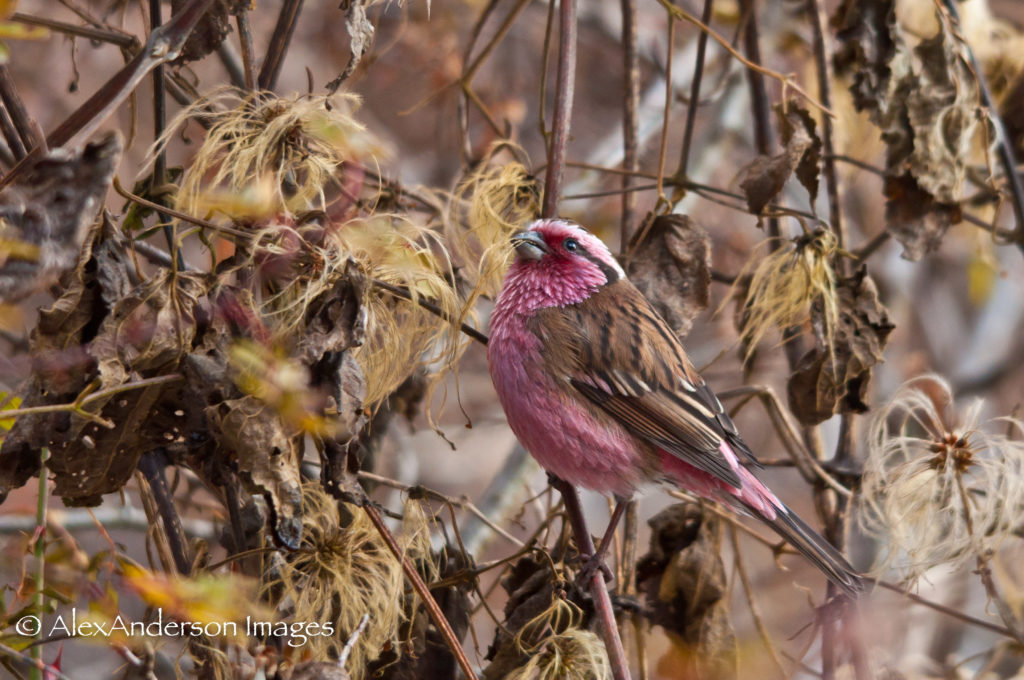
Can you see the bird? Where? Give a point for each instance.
(598, 388)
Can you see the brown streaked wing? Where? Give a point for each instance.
(619, 354)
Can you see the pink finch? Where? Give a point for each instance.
(598, 388)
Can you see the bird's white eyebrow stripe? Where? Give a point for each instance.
(612, 274)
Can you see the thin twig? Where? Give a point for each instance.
(39, 551)
(598, 590)
(755, 611)
(787, 82)
(163, 45)
(463, 503)
(27, 128)
(948, 611)
(151, 465)
(51, 671)
(630, 120)
(694, 103)
(421, 589)
(114, 37)
(87, 397)
(232, 64)
(11, 136)
(430, 307)
(171, 212)
(565, 87)
(758, 98)
(248, 53)
(821, 61)
(667, 110)
(159, 176)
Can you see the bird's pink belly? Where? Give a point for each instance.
(566, 437)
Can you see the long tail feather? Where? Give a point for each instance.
(815, 548)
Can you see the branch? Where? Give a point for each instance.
(279, 42)
(787, 82)
(630, 120)
(151, 465)
(119, 38)
(163, 45)
(602, 602)
(430, 307)
(698, 75)
(824, 93)
(421, 589)
(565, 87)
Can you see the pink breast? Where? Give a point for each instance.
(566, 437)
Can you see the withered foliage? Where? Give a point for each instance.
(669, 260)
(924, 97)
(763, 178)
(833, 377)
(684, 584)
(44, 215)
(234, 366)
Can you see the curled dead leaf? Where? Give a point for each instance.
(44, 215)
(267, 460)
(925, 99)
(763, 178)
(834, 379)
(670, 262)
(685, 587)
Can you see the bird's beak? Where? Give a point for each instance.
(529, 245)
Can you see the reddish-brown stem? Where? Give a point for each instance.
(23, 123)
(433, 609)
(827, 133)
(163, 45)
(11, 136)
(602, 602)
(698, 75)
(279, 42)
(630, 104)
(122, 40)
(565, 86)
(152, 465)
(248, 53)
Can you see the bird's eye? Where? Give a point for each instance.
(571, 245)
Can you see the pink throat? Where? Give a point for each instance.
(552, 282)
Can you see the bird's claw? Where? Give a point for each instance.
(589, 566)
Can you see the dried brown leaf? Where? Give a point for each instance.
(44, 215)
(835, 380)
(684, 582)
(336, 320)
(267, 458)
(98, 460)
(864, 30)
(794, 121)
(61, 366)
(925, 100)
(210, 32)
(670, 262)
(915, 217)
(763, 178)
(360, 34)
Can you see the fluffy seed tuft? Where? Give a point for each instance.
(938, 489)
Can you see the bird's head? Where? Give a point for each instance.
(560, 263)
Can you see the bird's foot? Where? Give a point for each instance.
(590, 565)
